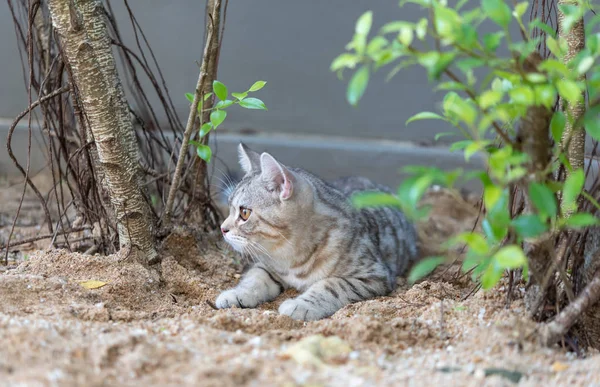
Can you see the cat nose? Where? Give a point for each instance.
(224, 230)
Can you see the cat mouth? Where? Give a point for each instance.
(236, 242)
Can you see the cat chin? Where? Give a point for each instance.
(237, 245)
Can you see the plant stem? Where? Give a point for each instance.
(189, 128)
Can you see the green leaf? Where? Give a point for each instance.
(406, 36)
(492, 41)
(489, 98)
(472, 259)
(253, 103)
(190, 97)
(224, 104)
(204, 152)
(376, 46)
(460, 145)
(456, 107)
(257, 85)
(529, 226)
(395, 26)
(522, 95)
(240, 96)
(520, 9)
(491, 195)
(424, 267)
(447, 22)
(220, 90)
(545, 95)
(363, 24)
(585, 64)
(554, 47)
(217, 117)
(491, 276)
(421, 28)
(498, 218)
(543, 199)
(569, 90)
(535, 77)
(443, 134)
(571, 15)
(424, 116)
(357, 85)
(581, 220)
(498, 11)
(205, 129)
(554, 66)
(435, 63)
(418, 189)
(345, 60)
(473, 148)
(572, 189)
(510, 257)
(475, 241)
(374, 199)
(557, 125)
(537, 23)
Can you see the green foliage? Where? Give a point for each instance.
(218, 112)
(486, 114)
(358, 85)
(424, 267)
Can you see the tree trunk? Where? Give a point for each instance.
(585, 272)
(86, 47)
(534, 138)
(573, 139)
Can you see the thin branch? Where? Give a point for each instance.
(26, 173)
(189, 128)
(40, 237)
(553, 331)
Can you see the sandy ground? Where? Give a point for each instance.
(158, 327)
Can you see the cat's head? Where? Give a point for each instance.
(266, 206)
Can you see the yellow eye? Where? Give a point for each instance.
(245, 213)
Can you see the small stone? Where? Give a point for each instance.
(559, 367)
(479, 373)
(317, 350)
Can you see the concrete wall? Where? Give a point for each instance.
(290, 44)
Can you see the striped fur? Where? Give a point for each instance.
(303, 233)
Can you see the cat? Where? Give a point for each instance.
(304, 233)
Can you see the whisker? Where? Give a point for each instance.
(261, 248)
(283, 236)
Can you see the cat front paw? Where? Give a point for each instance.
(299, 309)
(233, 297)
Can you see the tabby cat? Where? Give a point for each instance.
(302, 232)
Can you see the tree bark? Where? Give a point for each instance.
(86, 47)
(534, 138)
(553, 331)
(573, 139)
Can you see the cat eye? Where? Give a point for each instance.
(245, 213)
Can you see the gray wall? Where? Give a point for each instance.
(290, 44)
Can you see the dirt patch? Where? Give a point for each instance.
(155, 327)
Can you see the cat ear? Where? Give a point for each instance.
(274, 172)
(249, 159)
